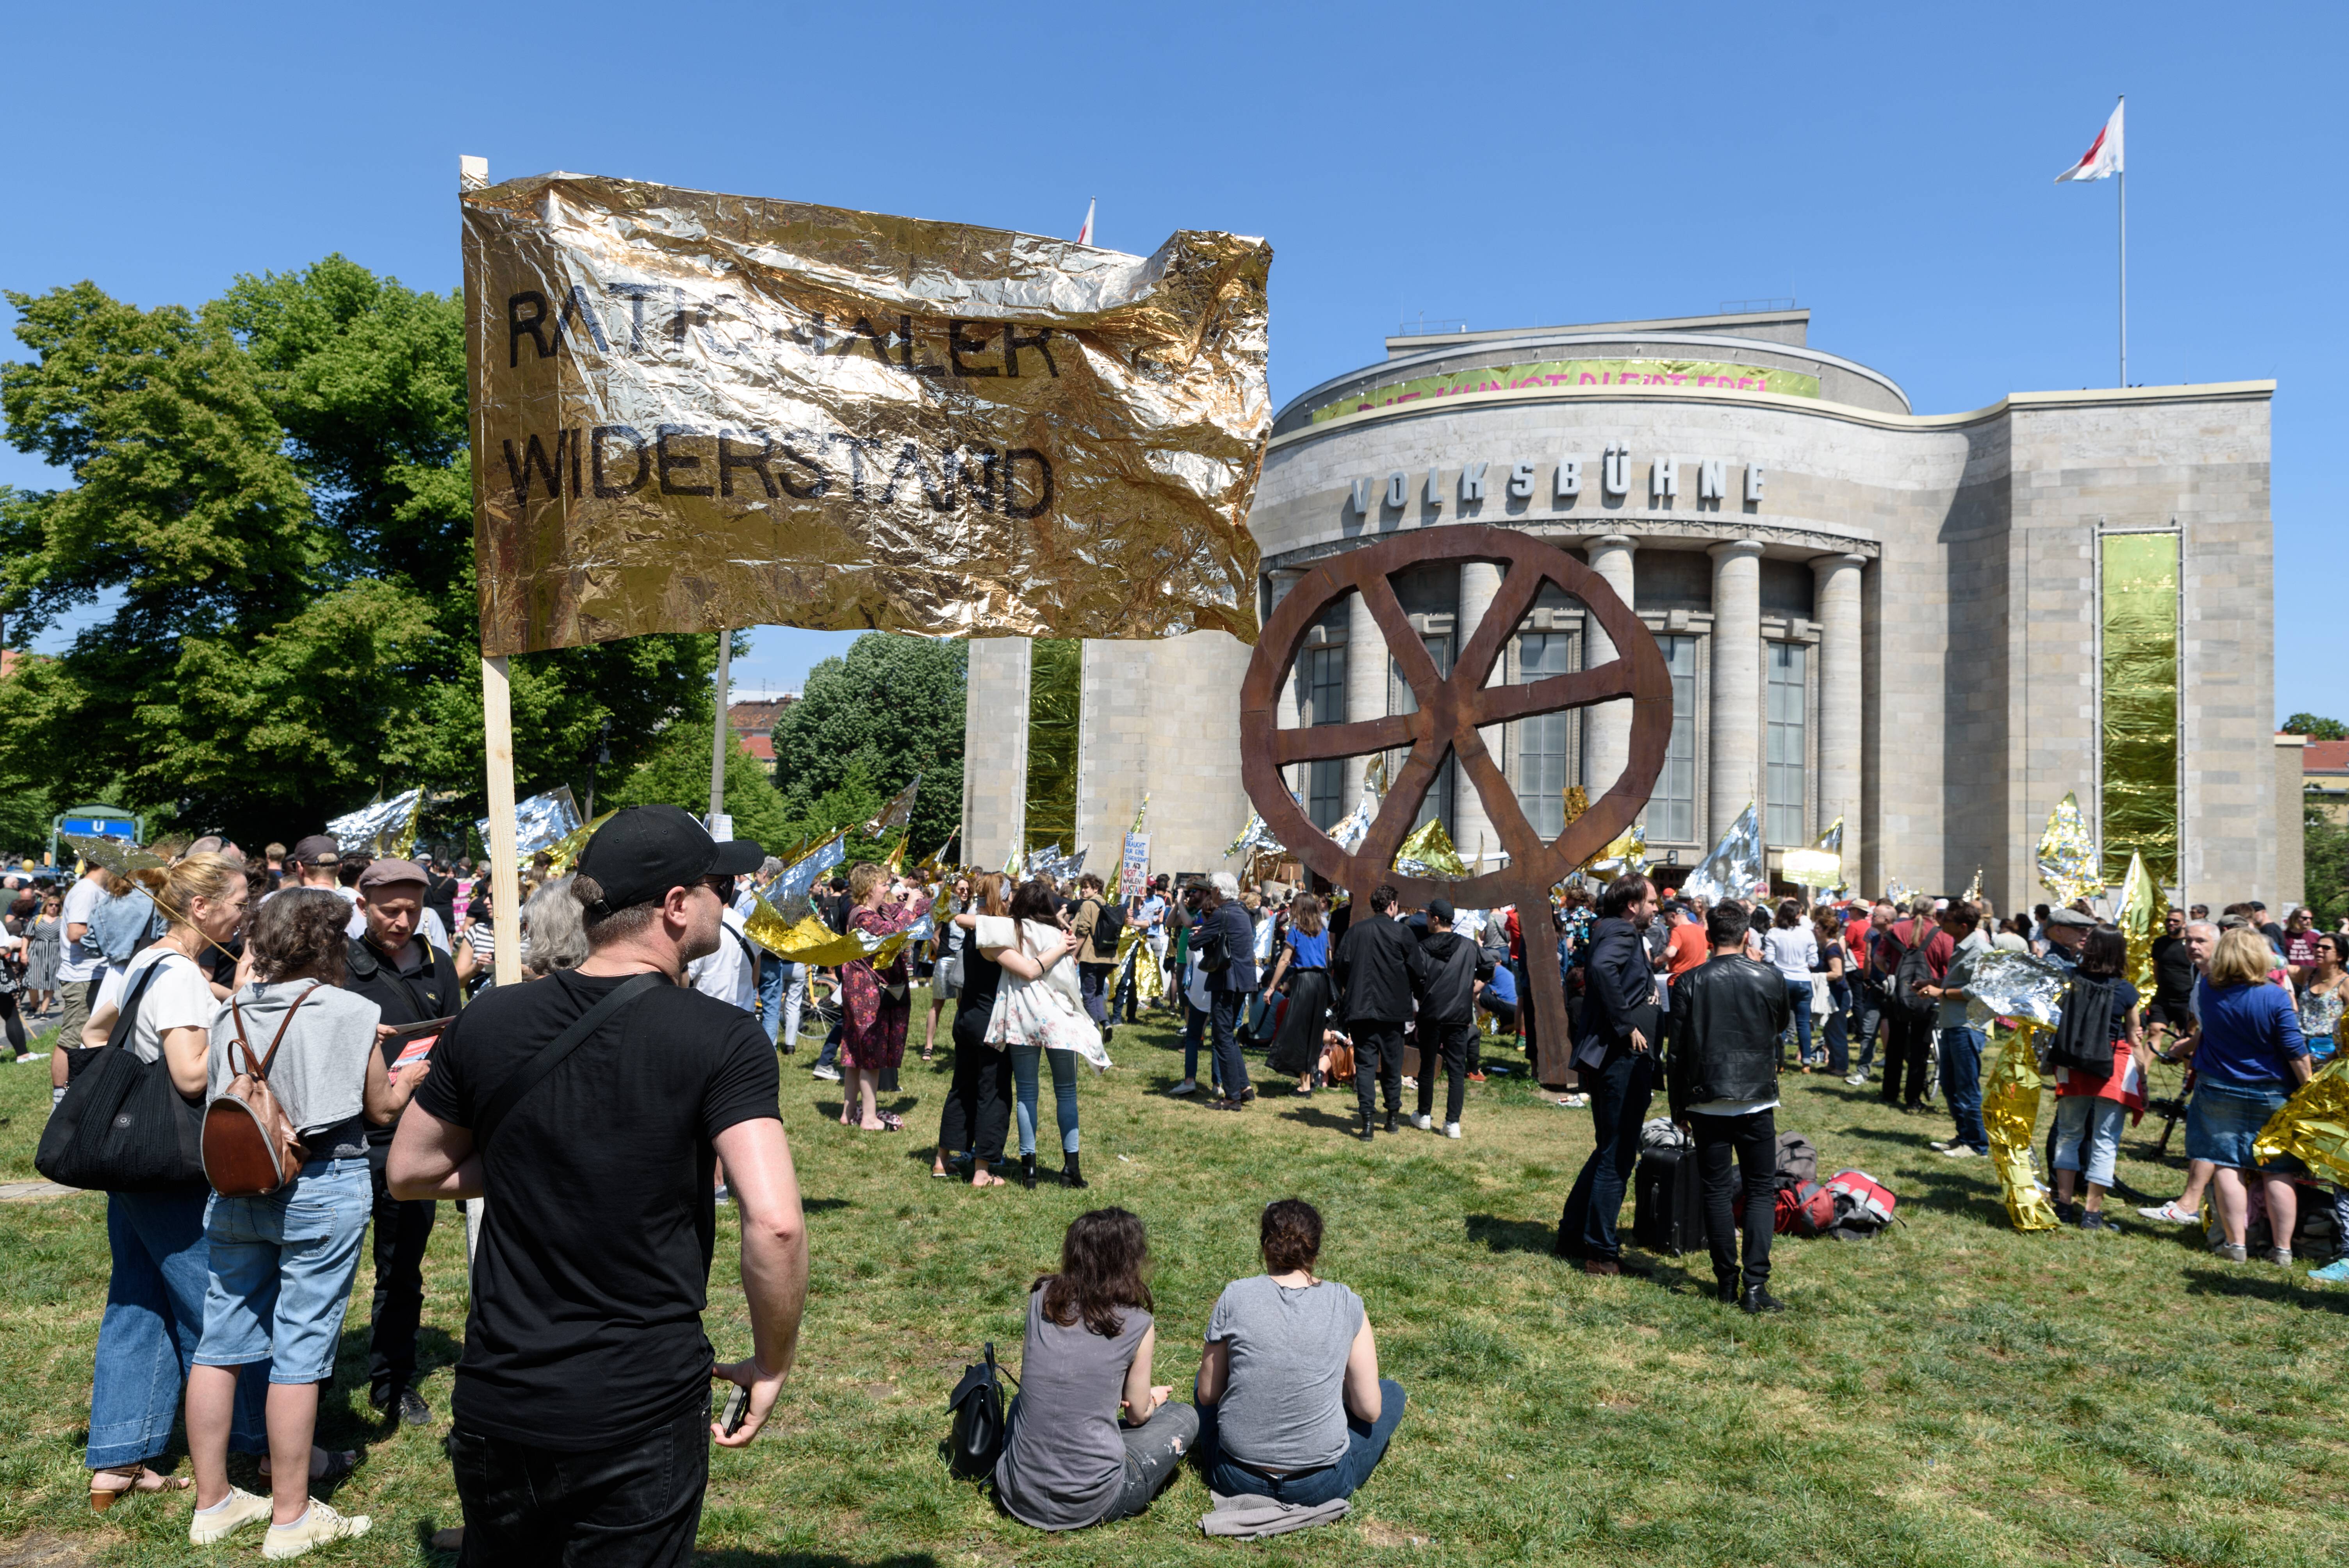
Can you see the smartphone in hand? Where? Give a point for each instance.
(737, 1410)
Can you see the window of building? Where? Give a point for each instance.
(1671, 809)
(1783, 822)
(1541, 748)
(1322, 682)
(1401, 699)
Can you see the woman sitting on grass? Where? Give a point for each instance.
(1090, 1440)
(1291, 1405)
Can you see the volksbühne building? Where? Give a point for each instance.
(1932, 626)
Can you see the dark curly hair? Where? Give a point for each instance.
(1104, 1269)
(1290, 1236)
(300, 934)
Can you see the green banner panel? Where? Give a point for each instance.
(1055, 703)
(2139, 671)
(1692, 373)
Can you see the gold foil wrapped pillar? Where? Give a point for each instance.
(2140, 669)
(1055, 724)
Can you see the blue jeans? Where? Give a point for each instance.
(1619, 1092)
(1064, 1095)
(282, 1268)
(154, 1321)
(1194, 1023)
(1832, 1026)
(1230, 1066)
(1867, 1022)
(772, 974)
(1798, 998)
(2093, 1120)
(1366, 1444)
(1961, 1052)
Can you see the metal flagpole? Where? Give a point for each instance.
(717, 732)
(2123, 179)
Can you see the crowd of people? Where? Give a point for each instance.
(361, 991)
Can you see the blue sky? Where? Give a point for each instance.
(1890, 167)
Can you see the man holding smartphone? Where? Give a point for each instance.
(413, 982)
(590, 1107)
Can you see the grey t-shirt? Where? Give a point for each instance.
(1283, 1400)
(1065, 1462)
(1959, 974)
(319, 1075)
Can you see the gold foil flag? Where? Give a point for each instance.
(692, 411)
(2067, 859)
(812, 942)
(1576, 801)
(2138, 912)
(898, 813)
(1429, 852)
(1626, 853)
(567, 849)
(2011, 1116)
(378, 827)
(2312, 1125)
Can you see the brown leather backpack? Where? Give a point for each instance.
(250, 1147)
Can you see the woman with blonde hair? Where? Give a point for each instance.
(159, 1256)
(978, 1102)
(875, 1005)
(2252, 1056)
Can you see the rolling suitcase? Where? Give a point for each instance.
(1667, 1203)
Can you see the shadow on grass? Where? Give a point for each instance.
(1959, 1194)
(1496, 1235)
(1313, 1115)
(2285, 1289)
(744, 1558)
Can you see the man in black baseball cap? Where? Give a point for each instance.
(585, 1354)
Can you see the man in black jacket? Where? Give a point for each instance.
(1444, 974)
(1229, 987)
(1727, 1014)
(1615, 1055)
(1372, 972)
(412, 982)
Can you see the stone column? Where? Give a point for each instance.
(1607, 728)
(1366, 682)
(1735, 733)
(1479, 581)
(1282, 581)
(1837, 601)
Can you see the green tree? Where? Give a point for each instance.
(892, 707)
(2325, 867)
(276, 486)
(676, 773)
(2316, 729)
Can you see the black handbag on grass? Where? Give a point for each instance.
(975, 1441)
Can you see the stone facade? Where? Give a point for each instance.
(1892, 617)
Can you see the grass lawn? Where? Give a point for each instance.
(1953, 1393)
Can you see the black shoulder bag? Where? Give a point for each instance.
(123, 1125)
(975, 1440)
(528, 1075)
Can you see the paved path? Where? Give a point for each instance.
(34, 1192)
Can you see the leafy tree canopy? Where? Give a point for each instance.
(2316, 729)
(273, 491)
(866, 725)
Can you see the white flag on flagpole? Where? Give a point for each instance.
(2103, 158)
(1085, 234)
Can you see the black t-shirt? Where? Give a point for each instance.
(975, 1001)
(2173, 971)
(406, 996)
(594, 1266)
(441, 896)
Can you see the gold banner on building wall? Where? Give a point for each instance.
(1056, 667)
(694, 411)
(2140, 704)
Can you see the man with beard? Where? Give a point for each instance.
(1615, 1054)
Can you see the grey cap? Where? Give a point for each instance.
(2071, 917)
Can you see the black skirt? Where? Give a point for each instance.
(1298, 1045)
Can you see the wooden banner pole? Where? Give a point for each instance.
(497, 747)
(719, 730)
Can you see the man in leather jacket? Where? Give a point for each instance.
(1445, 972)
(1727, 1015)
(1614, 1053)
(392, 966)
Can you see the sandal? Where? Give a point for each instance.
(134, 1478)
(892, 1122)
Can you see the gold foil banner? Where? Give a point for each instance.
(812, 942)
(376, 826)
(119, 856)
(567, 849)
(1810, 868)
(2140, 702)
(1429, 852)
(2068, 856)
(1134, 964)
(2312, 1125)
(1055, 719)
(541, 822)
(693, 412)
(2139, 912)
(2011, 1116)
(2015, 985)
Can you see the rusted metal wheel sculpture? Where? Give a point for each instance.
(1450, 712)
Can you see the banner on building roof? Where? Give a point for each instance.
(1692, 374)
(693, 412)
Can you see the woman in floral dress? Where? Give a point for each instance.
(876, 1006)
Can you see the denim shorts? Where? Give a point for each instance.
(281, 1268)
(2224, 1118)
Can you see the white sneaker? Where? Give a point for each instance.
(1450, 1129)
(1960, 1151)
(829, 1075)
(1856, 1080)
(1424, 1123)
(2171, 1214)
(316, 1528)
(1187, 1086)
(209, 1525)
(1410, 1082)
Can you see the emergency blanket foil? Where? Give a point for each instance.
(693, 412)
